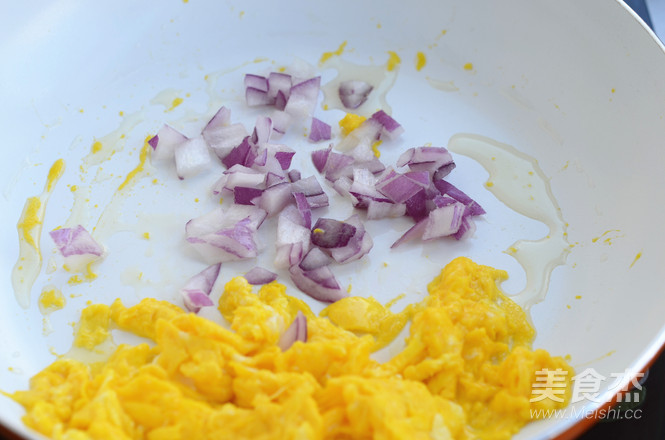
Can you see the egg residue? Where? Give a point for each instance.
(29, 229)
(466, 371)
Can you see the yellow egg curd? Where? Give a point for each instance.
(467, 369)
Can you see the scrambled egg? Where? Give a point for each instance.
(466, 371)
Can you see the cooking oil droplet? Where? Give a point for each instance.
(518, 182)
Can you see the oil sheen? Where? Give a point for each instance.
(517, 180)
(29, 229)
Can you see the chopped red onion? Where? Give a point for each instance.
(354, 93)
(357, 247)
(416, 206)
(320, 158)
(224, 138)
(398, 187)
(243, 195)
(297, 331)
(466, 229)
(256, 97)
(191, 157)
(374, 165)
(303, 207)
(221, 119)
(275, 198)
(256, 81)
(443, 221)
(294, 175)
(391, 128)
(303, 98)
(283, 154)
(196, 291)
(377, 210)
(342, 186)
(279, 83)
(273, 179)
(447, 188)
(363, 188)
(259, 275)
(429, 159)
(240, 154)
(319, 283)
(165, 142)
(338, 165)
(239, 175)
(280, 103)
(75, 241)
(293, 238)
(226, 235)
(311, 188)
(319, 131)
(314, 259)
(262, 131)
(281, 121)
(330, 233)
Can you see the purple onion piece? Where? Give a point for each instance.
(165, 142)
(284, 158)
(259, 275)
(297, 331)
(303, 98)
(416, 206)
(293, 238)
(275, 198)
(447, 188)
(358, 246)
(319, 131)
(256, 81)
(399, 188)
(354, 93)
(75, 241)
(239, 154)
(378, 210)
(391, 128)
(319, 283)
(226, 234)
(255, 97)
(196, 291)
(443, 221)
(320, 158)
(279, 84)
(221, 119)
(330, 233)
(314, 259)
(262, 131)
(294, 175)
(303, 207)
(194, 300)
(430, 159)
(191, 157)
(224, 138)
(244, 196)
